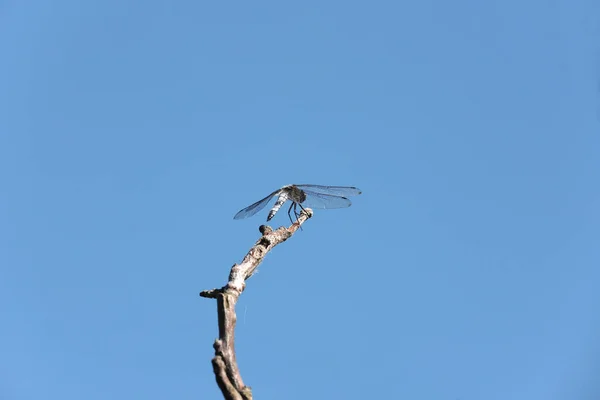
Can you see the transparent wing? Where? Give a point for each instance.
(254, 208)
(323, 201)
(334, 190)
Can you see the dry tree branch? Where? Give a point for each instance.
(224, 363)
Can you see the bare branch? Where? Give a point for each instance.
(224, 363)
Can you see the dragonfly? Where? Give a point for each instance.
(313, 196)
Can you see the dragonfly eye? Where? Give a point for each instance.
(302, 196)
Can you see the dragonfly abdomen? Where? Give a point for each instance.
(280, 200)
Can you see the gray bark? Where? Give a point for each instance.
(224, 362)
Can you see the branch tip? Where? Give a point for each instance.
(308, 212)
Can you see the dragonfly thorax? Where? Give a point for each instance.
(296, 195)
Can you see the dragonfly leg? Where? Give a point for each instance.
(290, 211)
(302, 208)
(296, 213)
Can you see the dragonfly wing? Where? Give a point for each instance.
(334, 190)
(254, 208)
(324, 201)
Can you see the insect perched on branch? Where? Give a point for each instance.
(313, 196)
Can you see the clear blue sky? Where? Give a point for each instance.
(131, 132)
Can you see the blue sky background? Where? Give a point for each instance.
(131, 132)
